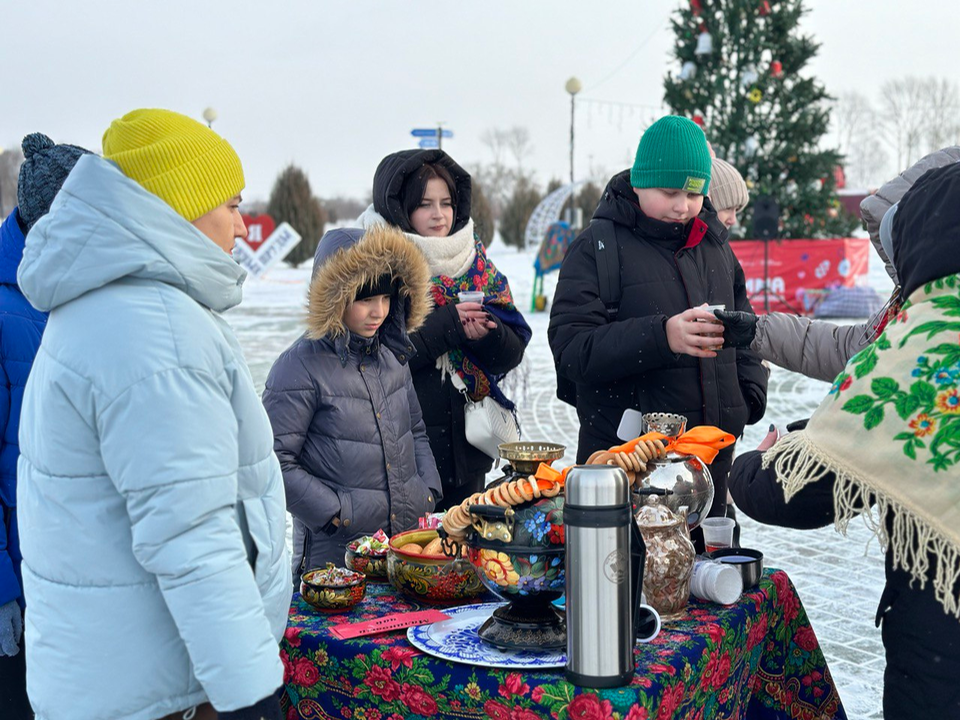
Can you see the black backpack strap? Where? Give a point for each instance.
(608, 266)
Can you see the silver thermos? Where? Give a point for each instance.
(604, 574)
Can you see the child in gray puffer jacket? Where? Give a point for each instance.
(347, 425)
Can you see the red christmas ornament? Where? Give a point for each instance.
(703, 27)
(839, 177)
(696, 7)
(765, 7)
(776, 68)
(698, 119)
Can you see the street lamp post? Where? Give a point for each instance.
(573, 86)
(209, 114)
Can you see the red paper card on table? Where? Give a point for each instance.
(387, 623)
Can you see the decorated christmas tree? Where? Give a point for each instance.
(739, 75)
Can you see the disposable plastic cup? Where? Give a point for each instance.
(474, 296)
(716, 582)
(710, 309)
(717, 532)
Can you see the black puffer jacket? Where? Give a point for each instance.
(346, 421)
(462, 467)
(666, 268)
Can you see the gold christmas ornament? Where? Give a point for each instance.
(755, 96)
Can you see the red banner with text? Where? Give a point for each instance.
(794, 268)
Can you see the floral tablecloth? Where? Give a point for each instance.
(758, 659)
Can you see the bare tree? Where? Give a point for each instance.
(943, 106)
(866, 163)
(510, 149)
(919, 115)
(903, 118)
(858, 130)
(853, 115)
(518, 142)
(495, 175)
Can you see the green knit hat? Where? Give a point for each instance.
(673, 153)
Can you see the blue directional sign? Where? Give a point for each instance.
(430, 132)
(430, 142)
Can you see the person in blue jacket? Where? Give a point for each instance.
(152, 511)
(45, 167)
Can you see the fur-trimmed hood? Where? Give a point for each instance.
(349, 258)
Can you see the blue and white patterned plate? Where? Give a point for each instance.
(456, 640)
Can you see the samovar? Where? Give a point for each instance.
(518, 553)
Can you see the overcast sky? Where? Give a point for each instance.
(334, 87)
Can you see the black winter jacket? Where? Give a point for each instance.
(666, 268)
(462, 467)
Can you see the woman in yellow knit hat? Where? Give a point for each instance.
(152, 506)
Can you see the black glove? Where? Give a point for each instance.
(266, 709)
(739, 328)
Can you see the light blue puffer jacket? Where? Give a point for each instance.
(142, 438)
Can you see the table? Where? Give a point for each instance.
(758, 659)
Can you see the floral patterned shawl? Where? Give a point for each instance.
(483, 276)
(890, 432)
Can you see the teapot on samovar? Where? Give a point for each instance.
(683, 469)
(686, 476)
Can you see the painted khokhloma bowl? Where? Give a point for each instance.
(434, 579)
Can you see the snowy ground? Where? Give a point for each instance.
(839, 578)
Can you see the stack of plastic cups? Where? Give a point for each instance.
(716, 582)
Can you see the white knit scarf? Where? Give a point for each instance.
(451, 255)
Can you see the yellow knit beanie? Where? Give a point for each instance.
(186, 164)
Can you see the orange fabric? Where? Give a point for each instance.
(704, 442)
(547, 476)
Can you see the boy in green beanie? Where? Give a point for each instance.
(653, 346)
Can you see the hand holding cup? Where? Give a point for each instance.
(695, 332)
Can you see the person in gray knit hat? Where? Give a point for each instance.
(728, 192)
(45, 167)
(21, 327)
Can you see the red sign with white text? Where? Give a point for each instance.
(259, 228)
(797, 266)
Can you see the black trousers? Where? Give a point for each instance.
(922, 643)
(13, 687)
